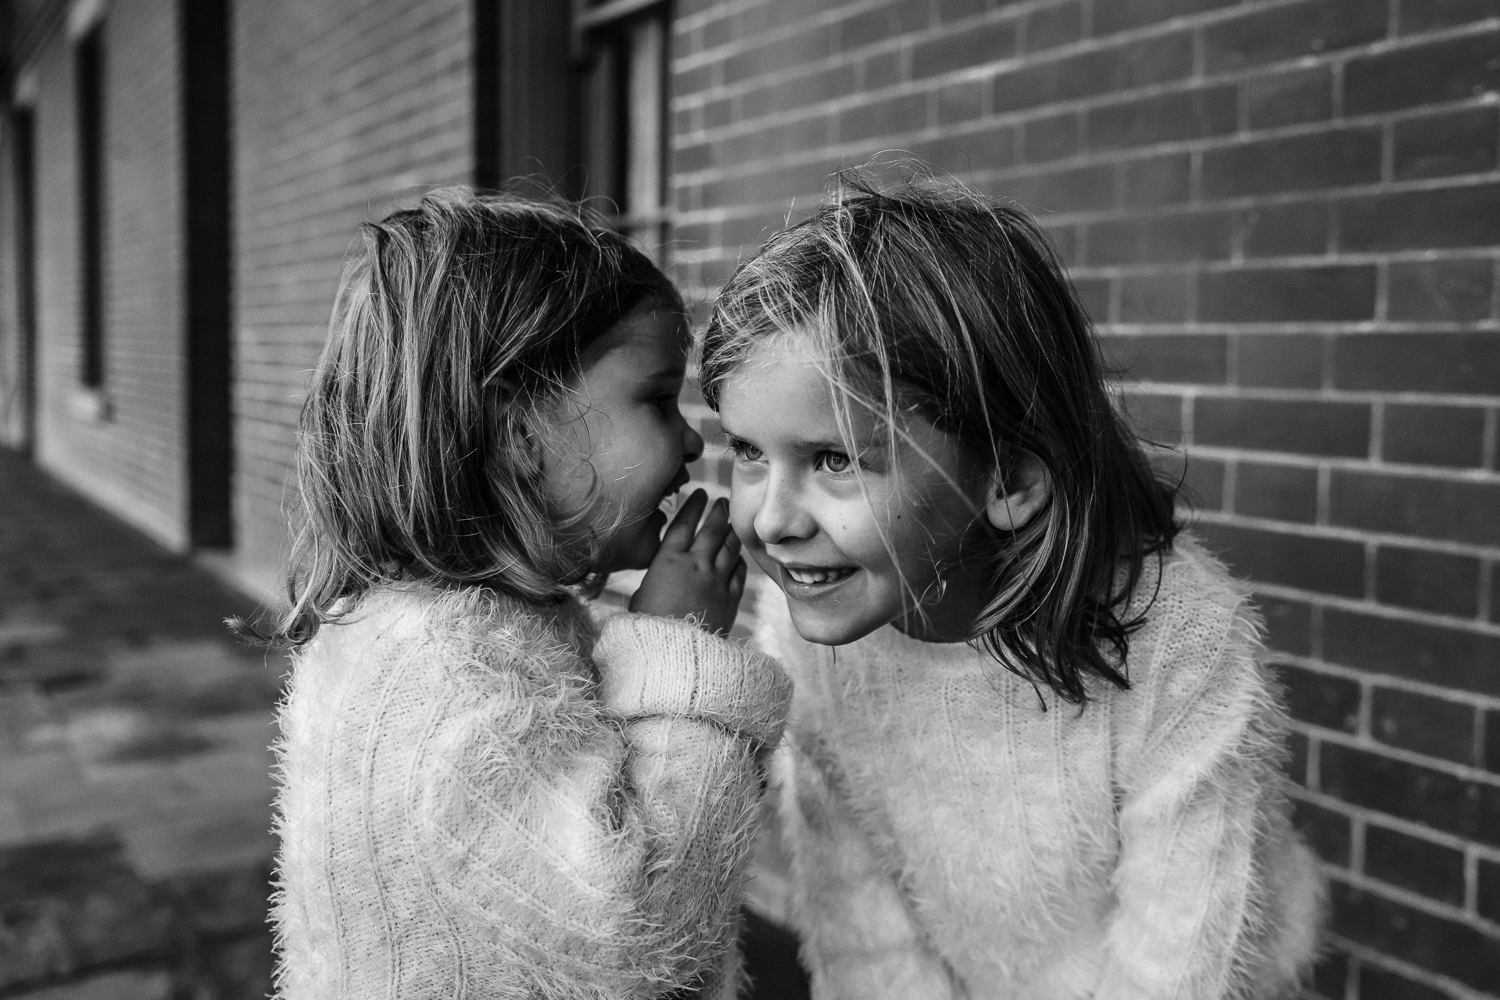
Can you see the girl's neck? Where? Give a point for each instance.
(950, 616)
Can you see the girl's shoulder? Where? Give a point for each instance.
(1200, 631)
(461, 624)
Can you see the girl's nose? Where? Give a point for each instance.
(780, 516)
(692, 443)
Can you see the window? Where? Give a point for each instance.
(623, 44)
(88, 67)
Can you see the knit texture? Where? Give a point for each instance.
(950, 838)
(467, 810)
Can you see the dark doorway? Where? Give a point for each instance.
(206, 193)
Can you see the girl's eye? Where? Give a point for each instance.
(665, 403)
(744, 450)
(835, 461)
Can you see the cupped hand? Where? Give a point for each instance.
(698, 571)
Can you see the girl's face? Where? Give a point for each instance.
(856, 534)
(617, 445)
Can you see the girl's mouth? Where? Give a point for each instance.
(806, 576)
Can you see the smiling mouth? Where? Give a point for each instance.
(811, 577)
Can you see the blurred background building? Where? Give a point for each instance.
(1284, 216)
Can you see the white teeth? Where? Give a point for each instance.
(811, 576)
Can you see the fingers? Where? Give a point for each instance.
(737, 582)
(679, 533)
(711, 534)
(728, 555)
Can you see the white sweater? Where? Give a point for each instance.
(950, 839)
(469, 808)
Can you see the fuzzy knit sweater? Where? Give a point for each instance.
(951, 839)
(484, 799)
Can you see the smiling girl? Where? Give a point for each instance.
(483, 795)
(1035, 751)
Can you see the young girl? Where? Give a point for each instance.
(1034, 750)
(480, 795)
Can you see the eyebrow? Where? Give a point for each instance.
(803, 444)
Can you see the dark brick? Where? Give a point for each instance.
(1165, 239)
(1433, 726)
(1325, 565)
(1155, 60)
(1286, 32)
(1454, 949)
(875, 26)
(1296, 163)
(1197, 359)
(1489, 889)
(1288, 625)
(1455, 510)
(1288, 294)
(1156, 180)
(1280, 360)
(1035, 84)
(1330, 976)
(1376, 983)
(963, 152)
(1415, 18)
(1327, 831)
(1461, 142)
(960, 101)
(1045, 139)
(1289, 98)
(1065, 190)
(1295, 230)
(1434, 435)
(1435, 654)
(1428, 581)
(972, 46)
(886, 117)
(1432, 72)
(1440, 290)
(1320, 699)
(811, 43)
(1122, 15)
(1303, 427)
(1467, 216)
(1093, 293)
(1415, 864)
(1154, 416)
(1203, 482)
(1161, 299)
(1193, 114)
(1298, 755)
(956, 10)
(1050, 27)
(880, 69)
(1409, 791)
(1418, 362)
(1278, 492)
(1492, 741)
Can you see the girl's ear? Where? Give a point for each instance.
(1017, 499)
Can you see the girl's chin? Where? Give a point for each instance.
(636, 544)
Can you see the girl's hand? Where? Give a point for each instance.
(702, 576)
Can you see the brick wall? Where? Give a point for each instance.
(340, 109)
(131, 461)
(1285, 217)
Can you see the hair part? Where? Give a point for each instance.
(456, 325)
(928, 298)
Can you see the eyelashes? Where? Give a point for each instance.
(828, 460)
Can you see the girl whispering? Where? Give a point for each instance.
(1035, 752)
(483, 794)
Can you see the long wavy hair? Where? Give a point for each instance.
(927, 297)
(456, 324)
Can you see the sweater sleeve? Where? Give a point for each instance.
(595, 837)
(1208, 905)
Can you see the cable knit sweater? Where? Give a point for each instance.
(950, 838)
(480, 798)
